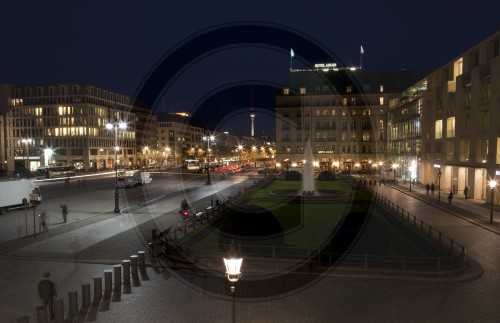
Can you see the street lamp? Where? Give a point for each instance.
(233, 266)
(26, 141)
(116, 125)
(439, 185)
(492, 185)
(208, 139)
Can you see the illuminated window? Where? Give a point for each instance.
(349, 89)
(344, 101)
(381, 88)
(450, 127)
(302, 90)
(498, 151)
(438, 129)
(286, 91)
(381, 100)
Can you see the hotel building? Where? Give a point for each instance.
(343, 112)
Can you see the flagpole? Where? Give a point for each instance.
(361, 52)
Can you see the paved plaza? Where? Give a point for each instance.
(95, 240)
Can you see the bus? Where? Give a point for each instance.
(44, 172)
(192, 164)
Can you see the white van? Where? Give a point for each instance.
(134, 178)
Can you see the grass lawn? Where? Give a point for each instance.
(305, 225)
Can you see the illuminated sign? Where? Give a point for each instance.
(437, 166)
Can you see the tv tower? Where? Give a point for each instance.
(252, 117)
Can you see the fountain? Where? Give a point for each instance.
(308, 187)
(309, 191)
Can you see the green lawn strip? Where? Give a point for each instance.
(319, 218)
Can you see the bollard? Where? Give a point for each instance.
(23, 319)
(85, 294)
(58, 310)
(133, 265)
(142, 259)
(97, 287)
(117, 269)
(73, 303)
(108, 280)
(41, 314)
(126, 272)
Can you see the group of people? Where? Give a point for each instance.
(430, 188)
(44, 218)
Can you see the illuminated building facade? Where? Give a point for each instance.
(404, 121)
(460, 121)
(67, 121)
(343, 112)
(176, 137)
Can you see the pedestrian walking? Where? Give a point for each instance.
(43, 222)
(450, 197)
(432, 189)
(47, 292)
(427, 188)
(64, 210)
(466, 191)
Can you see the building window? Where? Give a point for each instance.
(302, 90)
(438, 129)
(464, 150)
(381, 87)
(381, 100)
(333, 112)
(286, 91)
(348, 89)
(344, 101)
(450, 127)
(325, 112)
(498, 148)
(353, 101)
(485, 120)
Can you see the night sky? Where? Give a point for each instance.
(115, 44)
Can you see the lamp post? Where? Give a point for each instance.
(110, 126)
(439, 185)
(492, 185)
(208, 139)
(26, 141)
(233, 266)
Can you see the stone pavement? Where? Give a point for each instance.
(76, 254)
